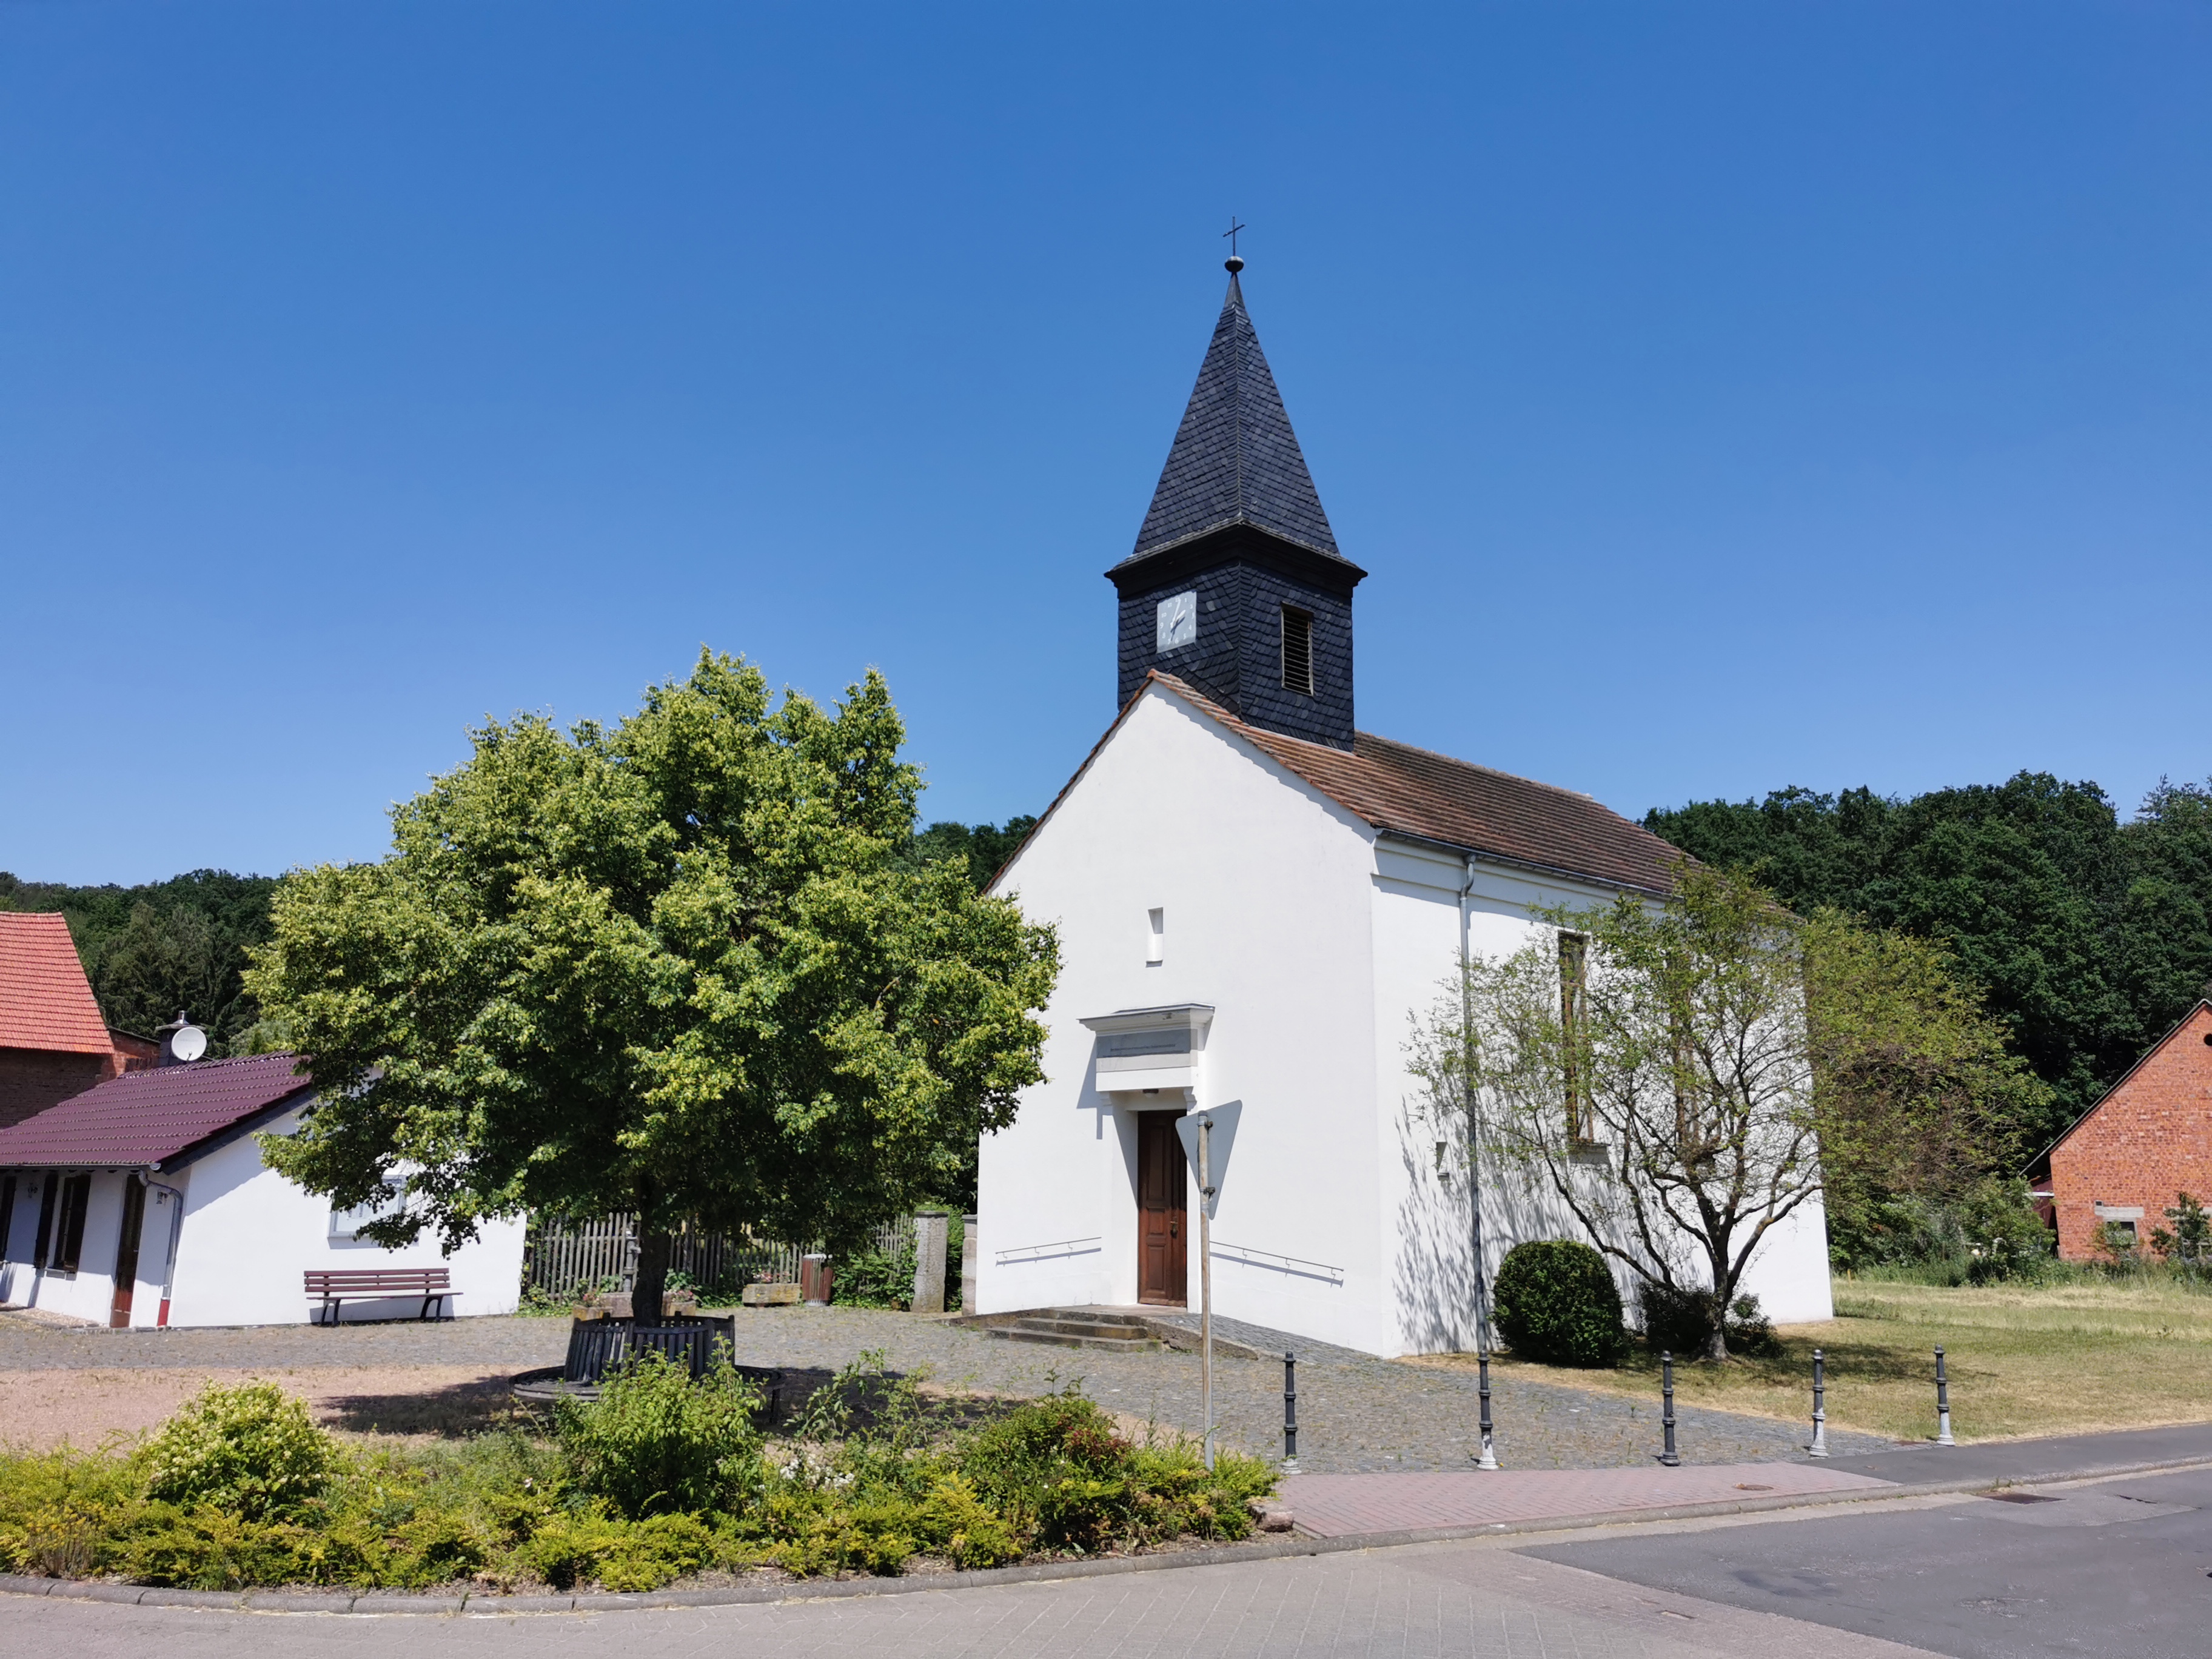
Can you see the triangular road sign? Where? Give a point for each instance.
(1219, 1139)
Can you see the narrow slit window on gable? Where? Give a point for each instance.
(1574, 967)
(1298, 651)
(1155, 938)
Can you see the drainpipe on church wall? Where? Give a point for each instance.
(1473, 1139)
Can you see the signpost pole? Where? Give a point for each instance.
(1205, 1276)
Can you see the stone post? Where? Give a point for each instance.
(929, 1264)
(967, 1264)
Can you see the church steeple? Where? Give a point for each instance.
(1234, 458)
(1236, 583)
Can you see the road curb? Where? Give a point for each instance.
(474, 1606)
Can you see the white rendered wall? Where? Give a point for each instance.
(249, 1235)
(1264, 883)
(1416, 929)
(89, 1292)
(1319, 943)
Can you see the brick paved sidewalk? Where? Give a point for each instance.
(1337, 1505)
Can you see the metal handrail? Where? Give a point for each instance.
(1043, 1252)
(1289, 1264)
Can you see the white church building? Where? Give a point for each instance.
(1255, 902)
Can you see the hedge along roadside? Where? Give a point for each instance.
(659, 1480)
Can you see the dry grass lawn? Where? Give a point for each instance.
(2066, 1359)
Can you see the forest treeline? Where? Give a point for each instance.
(153, 951)
(2089, 936)
(180, 945)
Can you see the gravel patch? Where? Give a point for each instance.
(1355, 1413)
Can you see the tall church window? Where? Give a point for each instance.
(1298, 651)
(1574, 968)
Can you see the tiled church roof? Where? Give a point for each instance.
(1418, 792)
(1235, 460)
(44, 999)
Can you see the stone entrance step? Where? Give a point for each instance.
(1080, 1327)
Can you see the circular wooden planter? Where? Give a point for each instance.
(597, 1348)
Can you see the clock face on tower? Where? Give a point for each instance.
(1178, 621)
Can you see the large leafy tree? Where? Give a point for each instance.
(676, 967)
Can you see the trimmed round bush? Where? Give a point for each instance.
(1556, 1302)
(251, 1450)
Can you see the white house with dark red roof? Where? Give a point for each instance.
(144, 1201)
(1254, 901)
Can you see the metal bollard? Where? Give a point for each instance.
(1488, 1460)
(1819, 1446)
(1289, 1413)
(1942, 1404)
(1666, 1418)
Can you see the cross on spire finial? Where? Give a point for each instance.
(1233, 262)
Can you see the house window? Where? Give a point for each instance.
(1298, 651)
(7, 1213)
(348, 1223)
(69, 1228)
(41, 1244)
(1573, 965)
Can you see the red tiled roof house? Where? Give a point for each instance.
(144, 1201)
(53, 1042)
(2128, 1157)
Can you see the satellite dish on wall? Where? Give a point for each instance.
(188, 1043)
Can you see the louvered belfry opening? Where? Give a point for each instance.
(1235, 586)
(1298, 651)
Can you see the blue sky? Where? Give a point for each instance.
(1723, 397)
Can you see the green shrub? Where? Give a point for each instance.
(215, 1549)
(1556, 1302)
(60, 1511)
(1681, 1321)
(656, 1443)
(252, 1450)
(590, 1546)
(870, 1278)
(1060, 1477)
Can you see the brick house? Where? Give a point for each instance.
(2148, 1139)
(53, 1043)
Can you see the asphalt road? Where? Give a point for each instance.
(1467, 1601)
(2119, 1567)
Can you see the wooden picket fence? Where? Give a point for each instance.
(564, 1261)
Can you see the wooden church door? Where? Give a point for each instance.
(1161, 1244)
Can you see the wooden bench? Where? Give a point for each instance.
(335, 1284)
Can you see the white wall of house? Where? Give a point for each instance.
(1319, 943)
(248, 1234)
(1262, 881)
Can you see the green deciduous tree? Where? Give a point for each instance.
(2089, 936)
(983, 848)
(674, 967)
(152, 950)
(1696, 1071)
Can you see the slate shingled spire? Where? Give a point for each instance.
(1235, 460)
(1236, 587)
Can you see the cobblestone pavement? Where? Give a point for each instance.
(1470, 1601)
(1355, 1413)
